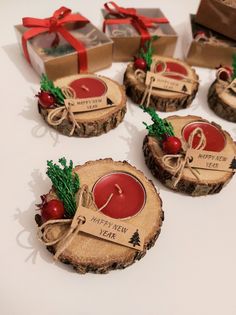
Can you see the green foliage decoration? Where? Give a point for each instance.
(147, 51)
(48, 86)
(160, 127)
(66, 184)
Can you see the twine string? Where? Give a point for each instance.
(178, 162)
(140, 75)
(85, 199)
(147, 94)
(57, 115)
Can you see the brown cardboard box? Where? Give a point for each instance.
(127, 41)
(219, 16)
(216, 50)
(63, 60)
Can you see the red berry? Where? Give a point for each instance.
(171, 145)
(46, 100)
(141, 64)
(226, 74)
(52, 210)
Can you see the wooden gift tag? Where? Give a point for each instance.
(159, 81)
(211, 160)
(87, 104)
(113, 230)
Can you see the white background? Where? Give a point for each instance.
(190, 270)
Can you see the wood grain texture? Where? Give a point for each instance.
(222, 101)
(164, 101)
(94, 123)
(90, 254)
(211, 182)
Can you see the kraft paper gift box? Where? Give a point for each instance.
(68, 44)
(218, 15)
(130, 28)
(208, 48)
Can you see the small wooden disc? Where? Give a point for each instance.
(210, 182)
(161, 100)
(222, 100)
(87, 253)
(97, 122)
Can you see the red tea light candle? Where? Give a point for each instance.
(215, 139)
(171, 66)
(87, 87)
(128, 195)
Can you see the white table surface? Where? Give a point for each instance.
(191, 268)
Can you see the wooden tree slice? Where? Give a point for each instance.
(87, 253)
(222, 100)
(210, 182)
(161, 100)
(93, 123)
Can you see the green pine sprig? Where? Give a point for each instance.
(234, 66)
(66, 184)
(147, 51)
(160, 127)
(59, 50)
(48, 86)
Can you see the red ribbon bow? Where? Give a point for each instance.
(130, 16)
(55, 24)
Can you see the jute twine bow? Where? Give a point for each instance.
(219, 72)
(177, 162)
(84, 199)
(225, 84)
(58, 115)
(141, 75)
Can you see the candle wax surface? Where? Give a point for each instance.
(125, 203)
(172, 67)
(87, 87)
(215, 139)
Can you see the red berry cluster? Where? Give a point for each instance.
(141, 64)
(226, 73)
(171, 145)
(46, 100)
(51, 210)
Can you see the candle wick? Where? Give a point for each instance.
(105, 204)
(119, 189)
(84, 87)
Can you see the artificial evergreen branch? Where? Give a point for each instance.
(48, 86)
(66, 184)
(147, 51)
(160, 127)
(234, 66)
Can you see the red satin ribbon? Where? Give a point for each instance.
(55, 24)
(130, 16)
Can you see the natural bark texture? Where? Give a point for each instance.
(164, 101)
(219, 105)
(188, 184)
(95, 123)
(90, 254)
(90, 128)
